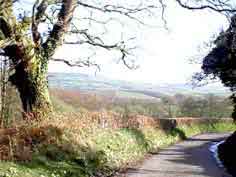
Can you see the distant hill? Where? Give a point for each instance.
(89, 83)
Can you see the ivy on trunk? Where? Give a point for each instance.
(29, 47)
(30, 56)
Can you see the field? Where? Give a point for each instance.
(77, 81)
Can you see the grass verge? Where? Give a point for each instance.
(97, 151)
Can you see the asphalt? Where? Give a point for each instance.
(190, 158)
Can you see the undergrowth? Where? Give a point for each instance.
(72, 147)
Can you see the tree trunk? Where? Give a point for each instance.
(30, 79)
(30, 57)
(33, 91)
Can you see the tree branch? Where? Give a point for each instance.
(122, 10)
(37, 18)
(5, 28)
(5, 43)
(78, 62)
(212, 5)
(56, 36)
(5, 18)
(98, 42)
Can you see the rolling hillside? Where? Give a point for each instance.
(99, 84)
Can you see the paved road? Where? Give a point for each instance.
(190, 158)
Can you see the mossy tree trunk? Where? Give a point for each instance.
(29, 55)
(32, 84)
(30, 78)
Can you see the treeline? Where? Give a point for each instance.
(179, 105)
(209, 106)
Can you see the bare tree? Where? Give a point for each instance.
(29, 38)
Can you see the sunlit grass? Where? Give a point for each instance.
(91, 151)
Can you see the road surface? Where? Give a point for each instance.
(190, 158)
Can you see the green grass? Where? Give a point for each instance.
(41, 168)
(104, 150)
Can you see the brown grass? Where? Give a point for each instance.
(19, 142)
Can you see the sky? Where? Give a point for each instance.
(164, 54)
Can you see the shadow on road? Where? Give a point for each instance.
(188, 159)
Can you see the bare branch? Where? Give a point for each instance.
(218, 6)
(117, 9)
(121, 10)
(57, 34)
(78, 62)
(46, 11)
(98, 42)
(131, 65)
(37, 18)
(163, 8)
